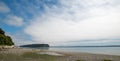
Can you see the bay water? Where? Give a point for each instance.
(94, 50)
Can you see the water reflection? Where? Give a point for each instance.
(43, 48)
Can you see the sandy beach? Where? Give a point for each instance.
(22, 54)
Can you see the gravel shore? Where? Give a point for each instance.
(66, 56)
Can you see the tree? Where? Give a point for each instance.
(2, 39)
(9, 41)
(1, 31)
(5, 40)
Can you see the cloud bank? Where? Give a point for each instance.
(76, 20)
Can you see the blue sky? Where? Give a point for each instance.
(61, 22)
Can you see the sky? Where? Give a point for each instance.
(61, 22)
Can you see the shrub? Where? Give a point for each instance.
(79, 60)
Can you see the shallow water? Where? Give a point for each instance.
(51, 53)
(96, 50)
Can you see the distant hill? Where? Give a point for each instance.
(35, 45)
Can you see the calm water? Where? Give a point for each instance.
(98, 50)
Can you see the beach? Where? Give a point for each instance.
(23, 54)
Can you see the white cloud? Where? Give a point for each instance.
(14, 20)
(4, 8)
(77, 20)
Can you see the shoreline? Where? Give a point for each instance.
(83, 52)
(67, 56)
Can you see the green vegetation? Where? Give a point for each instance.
(4, 39)
(107, 60)
(43, 57)
(28, 56)
(79, 60)
(10, 57)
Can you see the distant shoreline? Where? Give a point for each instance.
(89, 46)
